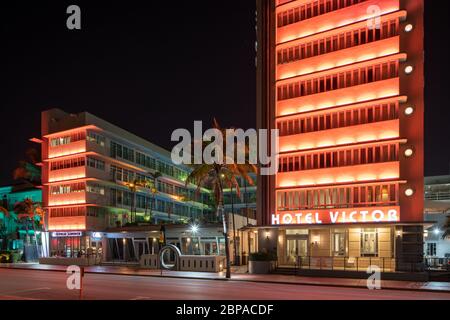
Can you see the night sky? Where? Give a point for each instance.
(153, 68)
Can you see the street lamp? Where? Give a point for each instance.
(194, 228)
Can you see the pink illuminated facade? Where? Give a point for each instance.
(343, 82)
(96, 177)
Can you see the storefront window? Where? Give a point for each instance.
(369, 243)
(221, 246)
(339, 243)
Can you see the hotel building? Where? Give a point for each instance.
(343, 81)
(93, 174)
(437, 211)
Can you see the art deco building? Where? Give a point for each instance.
(343, 81)
(98, 178)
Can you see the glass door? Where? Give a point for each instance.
(292, 252)
(369, 243)
(296, 248)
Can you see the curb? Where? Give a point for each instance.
(237, 280)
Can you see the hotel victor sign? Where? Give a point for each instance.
(360, 215)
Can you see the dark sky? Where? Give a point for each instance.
(157, 67)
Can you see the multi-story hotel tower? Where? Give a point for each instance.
(343, 81)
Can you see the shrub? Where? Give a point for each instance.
(5, 257)
(262, 256)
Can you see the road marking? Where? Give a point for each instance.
(28, 290)
(8, 297)
(141, 298)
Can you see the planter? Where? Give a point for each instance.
(261, 267)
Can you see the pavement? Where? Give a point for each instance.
(28, 284)
(239, 275)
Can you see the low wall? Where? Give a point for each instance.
(202, 263)
(82, 262)
(188, 263)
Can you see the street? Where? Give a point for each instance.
(50, 285)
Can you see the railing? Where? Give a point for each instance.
(438, 264)
(436, 196)
(345, 263)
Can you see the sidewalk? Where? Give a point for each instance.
(271, 279)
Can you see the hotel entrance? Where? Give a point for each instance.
(351, 248)
(296, 246)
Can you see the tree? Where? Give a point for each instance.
(152, 186)
(29, 170)
(132, 186)
(446, 229)
(27, 211)
(217, 176)
(3, 225)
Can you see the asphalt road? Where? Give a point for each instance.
(37, 285)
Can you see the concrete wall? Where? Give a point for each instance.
(187, 263)
(385, 243)
(354, 242)
(320, 243)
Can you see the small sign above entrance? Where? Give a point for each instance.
(71, 234)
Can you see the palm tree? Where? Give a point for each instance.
(132, 186)
(4, 227)
(29, 170)
(446, 229)
(152, 186)
(27, 211)
(217, 176)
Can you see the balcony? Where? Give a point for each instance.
(67, 174)
(74, 198)
(334, 19)
(342, 136)
(361, 93)
(67, 224)
(341, 175)
(67, 149)
(339, 58)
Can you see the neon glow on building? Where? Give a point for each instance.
(343, 81)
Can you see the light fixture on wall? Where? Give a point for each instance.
(409, 69)
(409, 152)
(316, 240)
(409, 110)
(409, 192)
(267, 235)
(409, 27)
(399, 233)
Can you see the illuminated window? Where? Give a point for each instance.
(96, 138)
(67, 164)
(339, 243)
(369, 243)
(60, 141)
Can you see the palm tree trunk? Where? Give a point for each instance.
(221, 210)
(227, 246)
(34, 231)
(234, 229)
